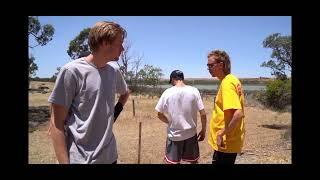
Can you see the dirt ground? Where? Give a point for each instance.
(267, 139)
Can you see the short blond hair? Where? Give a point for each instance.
(222, 56)
(104, 31)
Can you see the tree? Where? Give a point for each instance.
(128, 60)
(33, 67)
(151, 75)
(125, 58)
(135, 69)
(79, 47)
(42, 35)
(278, 91)
(281, 54)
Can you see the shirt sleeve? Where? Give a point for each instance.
(161, 106)
(121, 86)
(64, 89)
(230, 97)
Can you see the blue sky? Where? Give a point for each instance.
(173, 42)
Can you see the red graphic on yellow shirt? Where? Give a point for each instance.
(239, 91)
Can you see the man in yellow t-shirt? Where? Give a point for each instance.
(226, 130)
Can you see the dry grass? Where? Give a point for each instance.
(262, 144)
(39, 99)
(40, 147)
(153, 133)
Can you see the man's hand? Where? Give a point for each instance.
(220, 139)
(201, 135)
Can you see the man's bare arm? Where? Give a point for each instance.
(56, 132)
(163, 118)
(124, 97)
(202, 133)
(232, 118)
(119, 106)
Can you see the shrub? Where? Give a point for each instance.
(277, 94)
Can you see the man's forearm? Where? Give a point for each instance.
(56, 132)
(123, 98)
(234, 121)
(203, 119)
(204, 122)
(163, 118)
(59, 144)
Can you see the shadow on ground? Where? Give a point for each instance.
(275, 126)
(37, 115)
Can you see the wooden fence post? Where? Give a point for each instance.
(134, 111)
(139, 147)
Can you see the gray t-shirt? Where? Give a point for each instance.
(89, 94)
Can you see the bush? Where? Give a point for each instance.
(277, 94)
(251, 100)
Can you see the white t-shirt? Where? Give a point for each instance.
(181, 105)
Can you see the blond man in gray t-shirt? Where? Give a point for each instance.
(83, 100)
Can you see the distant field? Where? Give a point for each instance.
(205, 81)
(246, 87)
(199, 81)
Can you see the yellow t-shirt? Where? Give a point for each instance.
(229, 96)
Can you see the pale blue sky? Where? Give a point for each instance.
(174, 42)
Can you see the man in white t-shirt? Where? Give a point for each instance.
(181, 103)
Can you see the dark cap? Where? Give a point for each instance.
(177, 74)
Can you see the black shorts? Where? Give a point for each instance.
(223, 158)
(185, 150)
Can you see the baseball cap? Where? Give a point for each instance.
(177, 74)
